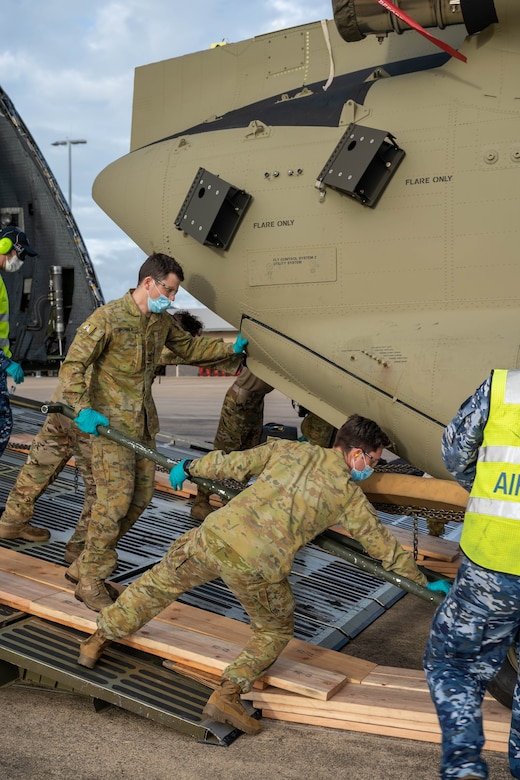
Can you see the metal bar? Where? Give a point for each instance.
(328, 543)
(142, 450)
(113, 434)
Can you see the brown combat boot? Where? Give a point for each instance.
(26, 531)
(93, 593)
(72, 575)
(224, 706)
(201, 507)
(72, 551)
(91, 649)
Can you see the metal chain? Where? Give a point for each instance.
(415, 536)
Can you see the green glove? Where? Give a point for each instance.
(178, 474)
(88, 421)
(16, 371)
(442, 586)
(240, 344)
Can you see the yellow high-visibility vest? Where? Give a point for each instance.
(4, 320)
(491, 532)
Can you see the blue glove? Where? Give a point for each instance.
(178, 475)
(240, 344)
(16, 371)
(88, 421)
(442, 586)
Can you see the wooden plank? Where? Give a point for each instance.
(394, 677)
(206, 678)
(411, 680)
(383, 722)
(194, 619)
(448, 568)
(497, 745)
(19, 592)
(167, 641)
(415, 707)
(34, 569)
(355, 700)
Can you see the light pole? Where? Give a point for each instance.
(69, 143)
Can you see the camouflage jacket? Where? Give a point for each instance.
(124, 346)
(300, 491)
(464, 435)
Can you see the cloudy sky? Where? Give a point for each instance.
(68, 67)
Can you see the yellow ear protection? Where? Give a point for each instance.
(5, 246)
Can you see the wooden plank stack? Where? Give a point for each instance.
(307, 684)
(389, 702)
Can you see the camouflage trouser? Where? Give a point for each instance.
(317, 431)
(6, 415)
(124, 488)
(471, 633)
(242, 415)
(58, 439)
(198, 557)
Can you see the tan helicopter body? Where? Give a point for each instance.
(392, 295)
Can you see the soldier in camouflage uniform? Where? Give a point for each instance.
(241, 423)
(59, 440)
(239, 427)
(314, 428)
(479, 619)
(300, 490)
(51, 448)
(122, 342)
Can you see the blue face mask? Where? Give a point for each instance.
(358, 476)
(158, 305)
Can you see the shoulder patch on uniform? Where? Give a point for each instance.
(94, 332)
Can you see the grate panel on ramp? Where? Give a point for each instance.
(123, 677)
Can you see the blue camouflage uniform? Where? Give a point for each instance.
(474, 626)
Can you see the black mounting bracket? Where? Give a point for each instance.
(362, 164)
(212, 210)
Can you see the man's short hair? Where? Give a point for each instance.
(159, 266)
(189, 322)
(361, 432)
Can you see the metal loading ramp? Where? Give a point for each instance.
(131, 680)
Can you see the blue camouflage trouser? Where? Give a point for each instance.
(6, 415)
(471, 633)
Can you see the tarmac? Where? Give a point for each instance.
(51, 734)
